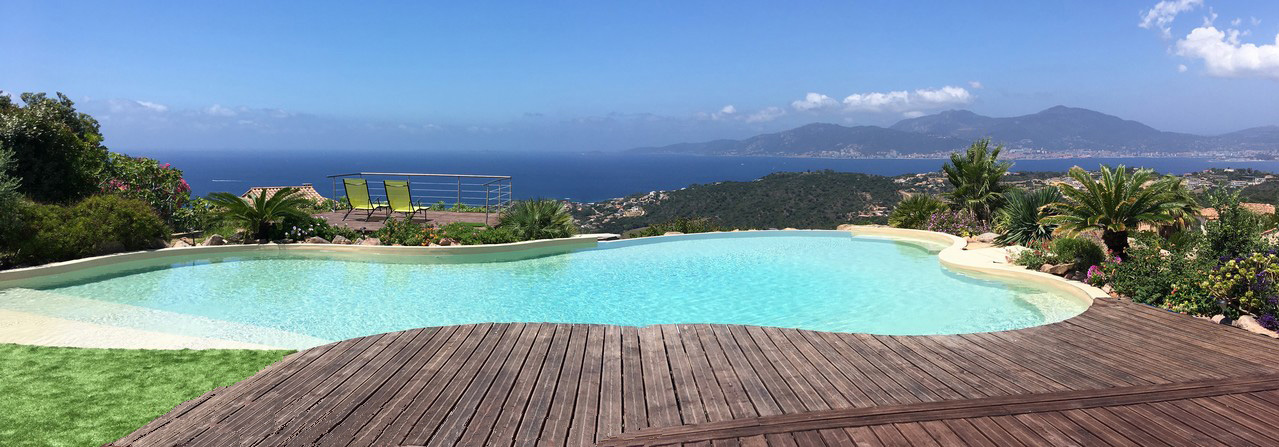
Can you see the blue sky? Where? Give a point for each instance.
(612, 75)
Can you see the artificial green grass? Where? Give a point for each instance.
(87, 397)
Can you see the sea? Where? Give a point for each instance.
(583, 177)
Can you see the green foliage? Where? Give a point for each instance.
(81, 397)
(538, 219)
(819, 199)
(1035, 257)
(59, 153)
(1161, 273)
(498, 235)
(405, 232)
(1247, 285)
(913, 212)
(159, 185)
(1236, 231)
(1117, 204)
(300, 229)
(682, 225)
(1021, 219)
(456, 207)
(199, 214)
(1082, 252)
(98, 225)
(10, 199)
(977, 178)
(261, 213)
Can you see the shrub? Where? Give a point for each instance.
(58, 151)
(9, 199)
(682, 225)
(1082, 252)
(1035, 257)
(1020, 220)
(301, 229)
(159, 185)
(538, 219)
(913, 212)
(405, 232)
(1246, 285)
(498, 235)
(1236, 232)
(97, 225)
(199, 214)
(1159, 273)
(961, 223)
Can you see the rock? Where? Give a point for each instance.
(444, 242)
(1106, 288)
(237, 237)
(157, 243)
(179, 243)
(370, 241)
(790, 228)
(671, 233)
(1250, 324)
(1059, 269)
(846, 227)
(214, 240)
(986, 238)
(1220, 319)
(340, 239)
(316, 240)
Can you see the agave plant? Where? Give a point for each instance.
(977, 178)
(538, 219)
(1020, 219)
(258, 214)
(914, 211)
(1116, 203)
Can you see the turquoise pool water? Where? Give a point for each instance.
(827, 281)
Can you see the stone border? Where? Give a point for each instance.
(448, 254)
(956, 257)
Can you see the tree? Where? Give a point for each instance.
(258, 214)
(58, 152)
(9, 199)
(977, 178)
(1117, 203)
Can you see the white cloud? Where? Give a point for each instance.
(902, 101)
(1163, 13)
(218, 110)
(728, 110)
(813, 101)
(1181, 68)
(1236, 21)
(766, 114)
(976, 85)
(1224, 55)
(913, 114)
(153, 106)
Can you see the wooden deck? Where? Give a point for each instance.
(1120, 374)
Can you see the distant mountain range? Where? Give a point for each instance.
(1058, 130)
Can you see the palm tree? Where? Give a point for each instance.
(258, 214)
(913, 211)
(1020, 220)
(538, 219)
(1118, 202)
(976, 176)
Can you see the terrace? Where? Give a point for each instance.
(1119, 374)
(481, 196)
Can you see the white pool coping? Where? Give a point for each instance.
(23, 327)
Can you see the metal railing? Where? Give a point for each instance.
(494, 193)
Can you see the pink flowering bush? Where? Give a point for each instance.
(159, 185)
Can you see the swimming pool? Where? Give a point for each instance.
(819, 280)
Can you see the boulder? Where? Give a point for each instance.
(1058, 269)
(340, 239)
(316, 240)
(985, 238)
(181, 242)
(1220, 319)
(448, 241)
(370, 241)
(214, 240)
(1107, 289)
(237, 237)
(846, 227)
(671, 233)
(1250, 324)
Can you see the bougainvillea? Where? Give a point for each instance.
(159, 185)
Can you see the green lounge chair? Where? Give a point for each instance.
(397, 192)
(357, 197)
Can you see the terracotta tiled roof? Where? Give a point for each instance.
(1259, 208)
(306, 191)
